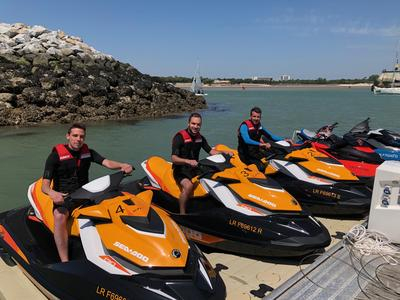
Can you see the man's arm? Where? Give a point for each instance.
(113, 165)
(275, 138)
(183, 161)
(270, 136)
(48, 176)
(246, 137)
(57, 197)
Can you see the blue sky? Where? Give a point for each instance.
(241, 39)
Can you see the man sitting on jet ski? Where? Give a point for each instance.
(186, 146)
(251, 146)
(68, 167)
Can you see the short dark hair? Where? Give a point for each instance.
(194, 115)
(255, 109)
(77, 125)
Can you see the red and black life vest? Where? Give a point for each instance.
(191, 145)
(73, 170)
(255, 133)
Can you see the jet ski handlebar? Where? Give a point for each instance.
(327, 128)
(210, 166)
(95, 190)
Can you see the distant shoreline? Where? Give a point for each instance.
(244, 86)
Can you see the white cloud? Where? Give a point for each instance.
(390, 31)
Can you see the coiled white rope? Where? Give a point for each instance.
(369, 242)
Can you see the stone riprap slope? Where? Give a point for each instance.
(48, 76)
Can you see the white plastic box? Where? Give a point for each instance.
(384, 215)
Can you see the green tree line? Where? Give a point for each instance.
(179, 79)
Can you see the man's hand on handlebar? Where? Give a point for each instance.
(57, 197)
(265, 145)
(290, 141)
(127, 168)
(193, 163)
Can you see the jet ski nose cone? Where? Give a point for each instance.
(176, 253)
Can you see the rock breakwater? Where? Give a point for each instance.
(49, 76)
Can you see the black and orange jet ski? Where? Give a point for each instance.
(235, 209)
(121, 247)
(320, 183)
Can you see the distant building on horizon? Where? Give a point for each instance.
(255, 78)
(284, 77)
(218, 81)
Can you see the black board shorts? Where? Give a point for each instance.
(70, 208)
(182, 172)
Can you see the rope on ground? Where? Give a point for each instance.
(372, 243)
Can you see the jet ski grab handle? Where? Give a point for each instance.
(95, 189)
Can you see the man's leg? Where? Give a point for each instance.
(249, 160)
(260, 166)
(60, 232)
(187, 189)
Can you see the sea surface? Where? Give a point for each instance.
(23, 151)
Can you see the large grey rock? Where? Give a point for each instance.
(7, 97)
(49, 76)
(22, 38)
(4, 28)
(37, 30)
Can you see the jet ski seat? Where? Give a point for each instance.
(307, 134)
(162, 172)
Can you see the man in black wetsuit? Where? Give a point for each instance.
(186, 146)
(68, 167)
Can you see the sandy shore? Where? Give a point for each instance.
(244, 86)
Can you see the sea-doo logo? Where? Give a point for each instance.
(64, 157)
(262, 200)
(132, 252)
(176, 253)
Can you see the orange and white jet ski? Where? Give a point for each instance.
(121, 247)
(320, 183)
(235, 209)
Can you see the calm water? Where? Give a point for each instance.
(23, 150)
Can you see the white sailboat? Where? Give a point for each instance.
(393, 77)
(197, 86)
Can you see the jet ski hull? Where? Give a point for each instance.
(338, 199)
(216, 226)
(31, 245)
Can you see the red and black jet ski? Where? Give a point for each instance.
(361, 160)
(121, 247)
(384, 142)
(235, 209)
